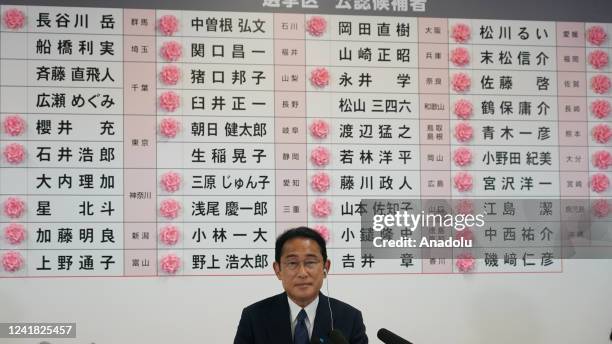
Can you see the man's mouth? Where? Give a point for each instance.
(303, 284)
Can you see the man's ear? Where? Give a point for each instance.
(276, 268)
(326, 266)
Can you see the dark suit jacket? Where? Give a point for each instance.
(267, 322)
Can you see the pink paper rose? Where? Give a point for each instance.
(463, 108)
(319, 129)
(169, 75)
(169, 127)
(169, 208)
(601, 208)
(600, 108)
(602, 159)
(466, 234)
(461, 82)
(316, 26)
(596, 35)
(602, 133)
(169, 101)
(14, 153)
(460, 56)
(598, 59)
(321, 207)
(319, 77)
(323, 232)
(320, 156)
(171, 51)
(463, 132)
(599, 182)
(461, 33)
(320, 182)
(462, 157)
(168, 25)
(12, 261)
(14, 233)
(600, 84)
(170, 181)
(170, 264)
(14, 207)
(463, 181)
(14, 125)
(464, 207)
(169, 235)
(14, 19)
(465, 262)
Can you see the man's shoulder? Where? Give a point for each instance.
(266, 304)
(340, 306)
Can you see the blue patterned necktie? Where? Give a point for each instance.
(301, 331)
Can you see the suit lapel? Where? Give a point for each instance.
(280, 325)
(322, 324)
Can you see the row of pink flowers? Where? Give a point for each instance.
(463, 132)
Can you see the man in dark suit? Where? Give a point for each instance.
(302, 314)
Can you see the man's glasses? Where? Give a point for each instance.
(310, 265)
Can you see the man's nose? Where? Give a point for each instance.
(302, 271)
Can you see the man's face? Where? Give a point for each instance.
(301, 270)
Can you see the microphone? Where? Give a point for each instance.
(336, 337)
(389, 337)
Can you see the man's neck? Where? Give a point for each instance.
(303, 303)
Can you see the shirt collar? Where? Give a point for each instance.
(311, 309)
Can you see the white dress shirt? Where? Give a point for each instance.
(311, 312)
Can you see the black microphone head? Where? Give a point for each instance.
(315, 340)
(336, 337)
(389, 337)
